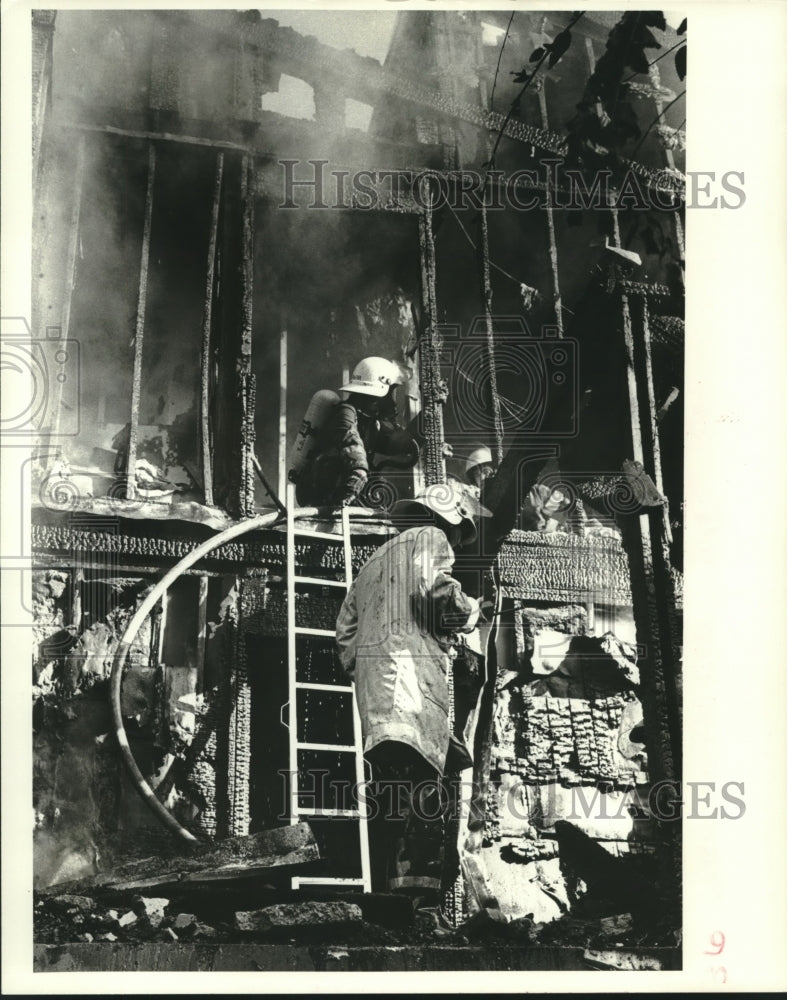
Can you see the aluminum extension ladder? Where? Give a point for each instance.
(299, 688)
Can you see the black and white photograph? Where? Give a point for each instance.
(353, 433)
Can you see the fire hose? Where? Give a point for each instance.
(121, 653)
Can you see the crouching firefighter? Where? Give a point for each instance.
(395, 635)
(339, 439)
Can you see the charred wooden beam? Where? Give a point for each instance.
(248, 384)
(652, 432)
(653, 597)
(550, 216)
(202, 630)
(366, 80)
(433, 389)
(486, 295)
(207, 326)
(671, 397)
(155, 136)
(233, 858)
(136, 377)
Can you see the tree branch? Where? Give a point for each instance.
(653, 63)
(518, 98)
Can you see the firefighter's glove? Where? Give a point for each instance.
(353, 486)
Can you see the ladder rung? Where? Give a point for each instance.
(309, 686)
(302, 630)
(299, 880)
(327, 813)
(329, 535)
(339, 747)
(319, 580)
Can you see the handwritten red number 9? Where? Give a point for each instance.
(717, 940)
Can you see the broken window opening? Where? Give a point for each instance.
(357, 114)
(168, 435)
(150, 234)
(104, 306)
(294, 99)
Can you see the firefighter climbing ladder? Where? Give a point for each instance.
(297, 687)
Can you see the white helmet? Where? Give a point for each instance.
(479, 456)
(373, 377)
(442, 499)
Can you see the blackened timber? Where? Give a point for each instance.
(644, 288)
(206, 372)
(225, 741)
(228, 404)
(483, 738)
(631, 379)
(248, 385)
(239, 770)
(235, 857)
(202, 630)
(653, 599)
(431, 387)
(558, 302)
(652, 433)
(136, 378)
(486, 295)
(146, 134)
(364, 79)
(661, 535)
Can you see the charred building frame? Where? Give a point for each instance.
(204, 260)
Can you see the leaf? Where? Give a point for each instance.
(558, 47)
(647, 39)
(680, 62)
(682, 27)
(522, 76)
(654, 19)
(537, 54)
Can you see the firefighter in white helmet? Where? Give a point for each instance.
(479, 465)
(396, 633)
(351, 432)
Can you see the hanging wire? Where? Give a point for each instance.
(470, 240)
(497, 267)
(499, 57)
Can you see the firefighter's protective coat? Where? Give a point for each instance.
(394, 634)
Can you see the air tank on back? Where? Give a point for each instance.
(318, 411)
